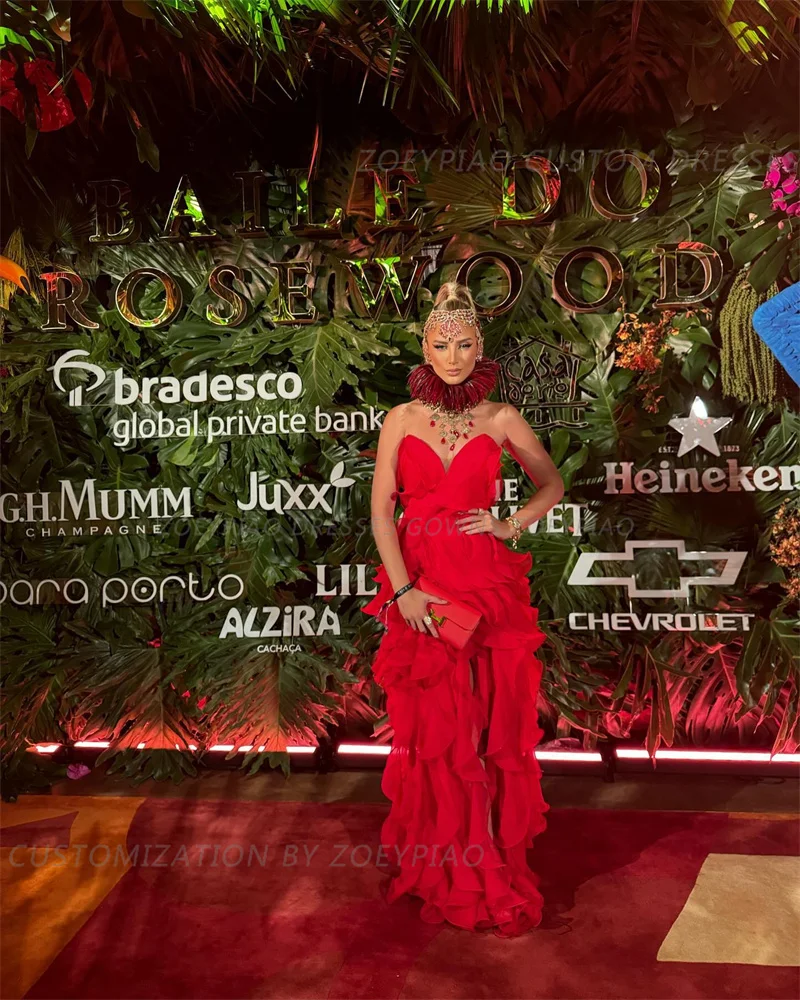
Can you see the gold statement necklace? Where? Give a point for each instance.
(452, 424)
(450, 406)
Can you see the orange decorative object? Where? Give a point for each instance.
(9, 271)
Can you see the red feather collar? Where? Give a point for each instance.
(427, 386)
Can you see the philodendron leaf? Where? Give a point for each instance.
(754, 242)
(768, 266)
(572, 464)
(326, 354)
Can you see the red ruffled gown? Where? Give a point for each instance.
(462, 776)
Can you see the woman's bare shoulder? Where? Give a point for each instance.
(498, 409)
(395, 418)
(505, 413)
(495, 413)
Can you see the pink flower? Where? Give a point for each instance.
(789, 161)
(778, 202)
(76, 771)
(790, 185)
(773, 178)
(793, 209)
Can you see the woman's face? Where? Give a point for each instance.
(453, 359)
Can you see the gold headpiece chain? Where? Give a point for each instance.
(448, 323)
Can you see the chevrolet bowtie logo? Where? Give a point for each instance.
(580, 576)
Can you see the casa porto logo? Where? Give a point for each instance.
(282, 495)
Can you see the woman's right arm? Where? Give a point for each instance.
(384, 484)
(413, 604)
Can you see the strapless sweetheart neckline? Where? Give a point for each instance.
(446, 468)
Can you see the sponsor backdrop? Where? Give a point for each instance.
(195, 367)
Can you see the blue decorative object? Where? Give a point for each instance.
(777, 322)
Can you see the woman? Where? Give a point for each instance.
(462, 775)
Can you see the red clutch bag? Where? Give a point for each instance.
(454, 622)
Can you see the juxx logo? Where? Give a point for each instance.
(282, 495)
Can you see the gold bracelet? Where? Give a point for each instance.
(517, 528)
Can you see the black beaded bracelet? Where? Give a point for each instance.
(397, 594)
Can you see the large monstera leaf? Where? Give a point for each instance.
(327, 353)
(711, 200)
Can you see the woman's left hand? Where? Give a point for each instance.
(480, 521)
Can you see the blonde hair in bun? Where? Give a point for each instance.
(453, 296)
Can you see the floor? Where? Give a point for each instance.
(658, 886)
(709, 793)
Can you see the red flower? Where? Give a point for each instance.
(53, 109)
(155, 643)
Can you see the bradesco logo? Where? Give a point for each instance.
(200, 388)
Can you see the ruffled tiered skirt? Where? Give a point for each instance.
(462, 776)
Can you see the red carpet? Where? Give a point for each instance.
(614, 883)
